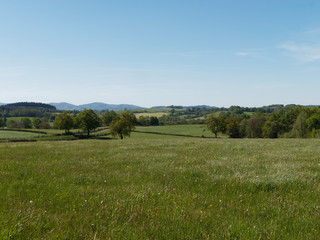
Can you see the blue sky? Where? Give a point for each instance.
(149, 53)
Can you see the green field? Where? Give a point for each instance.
(58, 131)
(193, 130)
(156, 114)
(160, 187)
(18, 119)
(18, 135)
(152, 110)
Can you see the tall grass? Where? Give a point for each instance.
(166, 188)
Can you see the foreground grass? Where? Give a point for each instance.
(168, 188)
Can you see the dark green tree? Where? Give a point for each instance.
(44, 125)
(64, 121)
(36, 122)
(12, 124)
(143, 121)
(270, 129)
(108, 116)
(289, 117)
(154, 121)
(255, 125)
(123, 125)
(25, 123)
(313, 122)
(216, 124)
(88, 120)
(243, 127)
(233, 126)
(2, 122)
(272, 126)
(300, 128)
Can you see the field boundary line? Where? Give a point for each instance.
(172, 134)
(22, 130)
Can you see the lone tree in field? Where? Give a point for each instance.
(215, 124)
(88, 120)
(64, 121)
(123, 125)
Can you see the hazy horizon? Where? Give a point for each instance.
(88, 103)
(216, 53)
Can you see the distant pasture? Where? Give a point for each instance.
(156, 114)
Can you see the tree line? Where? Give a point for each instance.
(27, 109)
(120, 125)
(25, 122)
(197, 115)
(294, 121)
(282, 121)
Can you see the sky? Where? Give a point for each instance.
(168, 52)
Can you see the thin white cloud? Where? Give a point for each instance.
(242, 53)
(314, 31)
(260, 54)
(270, 86)
(191, 54)
(177, 54)
(302, 52)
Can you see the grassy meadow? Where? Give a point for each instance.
(151, 114)
(18, 119)
(192, 130)
(18, 135)
(153, 110)
(160, 187)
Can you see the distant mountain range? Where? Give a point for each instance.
(95, 106)
(197, 106)
(102, 106)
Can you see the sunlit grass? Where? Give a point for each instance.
(18, 134)
(160, 188)
(156, 114)
(193, 130)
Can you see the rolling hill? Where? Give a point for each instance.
(95, 106)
